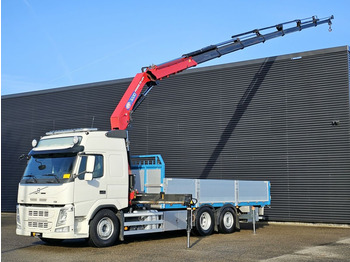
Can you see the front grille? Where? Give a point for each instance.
(38, 213)
(39, 218)
(35, 224)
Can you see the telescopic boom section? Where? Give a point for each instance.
(150, 76)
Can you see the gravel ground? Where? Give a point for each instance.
(273, 242)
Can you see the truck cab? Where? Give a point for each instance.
(70, 176)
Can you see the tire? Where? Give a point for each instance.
(227, 221)
(204, 224)
(51, 241)
(104, 229)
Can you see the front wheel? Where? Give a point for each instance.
(104, 229)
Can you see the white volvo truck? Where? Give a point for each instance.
(77, 185)
(82, 183)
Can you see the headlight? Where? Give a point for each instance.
(18, 218)
(62, 216)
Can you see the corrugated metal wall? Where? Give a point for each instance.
(29, 116)
(267, 119)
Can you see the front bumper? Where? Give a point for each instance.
(46, 221)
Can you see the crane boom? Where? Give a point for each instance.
(150, 76)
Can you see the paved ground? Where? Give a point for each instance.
(271, 243)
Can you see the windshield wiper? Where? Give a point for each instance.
(53, 175)
(33, 177)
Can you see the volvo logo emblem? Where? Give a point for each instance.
(38, 190)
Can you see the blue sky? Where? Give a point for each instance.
(49, 44)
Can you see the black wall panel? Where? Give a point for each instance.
(267, 119)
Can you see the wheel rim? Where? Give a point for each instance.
(228, 220)
(205, 221)
(105, 228)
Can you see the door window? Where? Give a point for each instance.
(98, 169)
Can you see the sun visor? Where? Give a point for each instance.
(72, 150)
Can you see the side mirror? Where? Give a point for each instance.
(90, 166)
(23, 156)
(88, 176)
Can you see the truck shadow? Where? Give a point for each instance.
(155, 236)
(195, 240)
(242, 106)
(249, 226)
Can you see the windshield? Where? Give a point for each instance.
(51, 168)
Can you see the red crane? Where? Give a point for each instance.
(150, 76)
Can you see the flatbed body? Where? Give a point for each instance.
(150, 178)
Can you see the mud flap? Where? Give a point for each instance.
(120, 216)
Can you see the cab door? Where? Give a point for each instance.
(88, 192)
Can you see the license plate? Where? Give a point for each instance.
(34, 234)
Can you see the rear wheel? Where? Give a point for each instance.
(104, 229)
(204, 221)
(227, 220)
